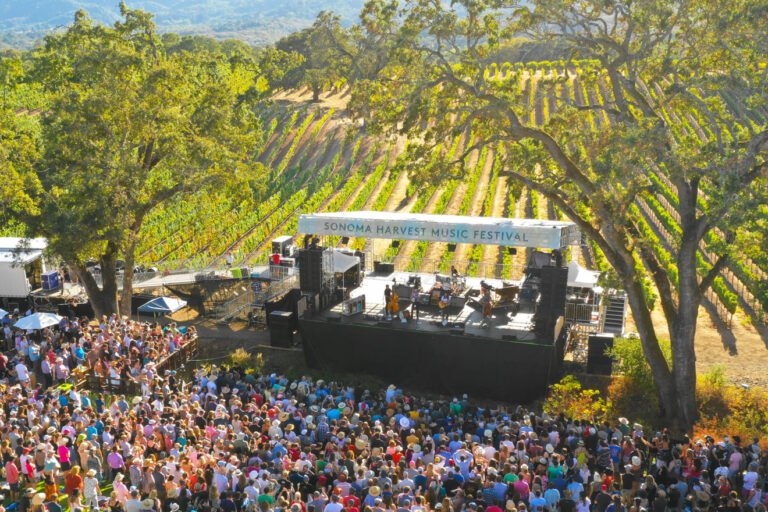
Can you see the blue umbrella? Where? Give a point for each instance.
(3, 313)
(38, 321)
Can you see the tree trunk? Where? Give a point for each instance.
(662, 375)
(100, 303)
(126, 296)
(103, 300)
(683, 333)
(316, 90)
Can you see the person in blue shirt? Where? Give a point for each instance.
(99, 404)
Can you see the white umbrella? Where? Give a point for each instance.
(3, 313)
(38, 321)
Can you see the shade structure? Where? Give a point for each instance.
(580, 277)
(3, 313)
(37, 321)
(163, 306)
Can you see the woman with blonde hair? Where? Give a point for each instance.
(73, 481)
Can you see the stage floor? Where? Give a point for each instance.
(503, 325)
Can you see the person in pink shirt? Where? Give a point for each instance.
(12, 477)
(122, 491)
(64, 455)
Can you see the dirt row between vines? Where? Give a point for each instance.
(463, 251)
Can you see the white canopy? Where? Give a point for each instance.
(580, 277)
(37, 321)
(543, 234)
(343, 262)
(22, 251)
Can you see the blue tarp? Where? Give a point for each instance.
(162, 305)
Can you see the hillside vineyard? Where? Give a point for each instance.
(319, 163)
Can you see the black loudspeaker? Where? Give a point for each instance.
(598, 362)
(451, 247)
(554, 281)
(361, 255)
(311, 270)
(383, 268)
(281, 329)
(395, 243)
(512, 250)
(345, 240)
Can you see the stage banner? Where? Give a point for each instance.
(434, 228)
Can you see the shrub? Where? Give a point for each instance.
(244, 359)
(568, 397)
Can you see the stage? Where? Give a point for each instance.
(513, 354)
(503, 358)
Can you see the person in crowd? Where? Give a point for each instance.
(236, 441)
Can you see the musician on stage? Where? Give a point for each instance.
(485, 300)
(445, 301)
(387, 301)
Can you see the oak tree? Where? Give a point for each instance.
(663, 63)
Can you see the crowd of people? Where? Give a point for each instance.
(117, 349)
(232, 440)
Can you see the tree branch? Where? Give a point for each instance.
(707, 280)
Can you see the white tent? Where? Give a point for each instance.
(580, 277)
(37, 321)
(343, 262)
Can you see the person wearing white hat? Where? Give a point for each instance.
(91, 490)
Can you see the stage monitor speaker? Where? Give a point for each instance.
(333, 318)
(598, 362)
(457, 330)
(509, 337)
(311, 270)
(385, 268)
(554, 281)
(281, 329)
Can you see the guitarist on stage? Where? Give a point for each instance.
(445, 300)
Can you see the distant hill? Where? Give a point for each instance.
(258, 22)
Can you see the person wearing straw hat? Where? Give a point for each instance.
(91, 490)
(38, 502)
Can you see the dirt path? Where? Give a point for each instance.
(404, 255)
(519, 259)
(740, 349)
(461, 255)
(492, 252)
(328, 99)
(431, 261)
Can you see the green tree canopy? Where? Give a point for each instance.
(129, 126)
(665, 62)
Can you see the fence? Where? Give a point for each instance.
(283, 280)
(173, 361)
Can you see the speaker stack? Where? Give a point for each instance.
(598, 362)
(281, 329)
(554, 281)
(311, 270)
